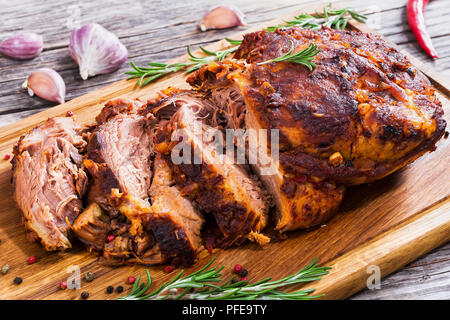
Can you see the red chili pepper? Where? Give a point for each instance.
(415, 9)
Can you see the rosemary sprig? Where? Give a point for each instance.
(303, 57)
(331, 18)
(203, 285)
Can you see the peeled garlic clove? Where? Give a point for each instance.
(47, 84)
(22, 46)
(96, 50)
(222, 17)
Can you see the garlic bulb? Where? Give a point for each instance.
(22, 46)
(96, 50)
(47, 84)
(222, 17)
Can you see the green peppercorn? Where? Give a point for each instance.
(84, 295)
(5, 269)
(110, 289)
(119, 289)
(89, 276)
(17, 280)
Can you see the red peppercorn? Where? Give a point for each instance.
(131, 279)
(7, 157)
(169, 269)
(31, 260)
(63, 285)
(243, 279)
(69, 113)
(110, 238)
(237, 268)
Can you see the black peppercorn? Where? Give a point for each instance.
(234, 280)
(84, 295)
(17, 280)
(243, 273)
(119, 289)
(110, 289)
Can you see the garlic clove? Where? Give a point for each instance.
(47, 84)
(222, 17)
(96, 50)
(22, 46)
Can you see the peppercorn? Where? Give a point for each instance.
(84, 295)
(109, 289)
(243, 273)
(169, 269)
(69, 113)
(5, 269)
(17, 280)
(234, 280)
(31, 260)
(119, 289)
(89, 276)
(237, 268)
(7, 157)
(110, 238)
(243, 279)
(131, 280)
(63, 285)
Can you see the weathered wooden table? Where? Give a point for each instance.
(160, 30)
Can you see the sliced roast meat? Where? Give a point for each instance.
(302, 201)
(48, 180)
(175, 222)
(118, 158)
(220, 188)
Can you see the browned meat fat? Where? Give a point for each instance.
(48, 181)
(175, 222)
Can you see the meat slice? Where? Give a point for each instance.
(220, 188)
(175, 223)
(118, 158)
(48, 180)
(362, 114)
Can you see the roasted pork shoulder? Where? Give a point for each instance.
(48, 180)
(362, 114)
(162, 183)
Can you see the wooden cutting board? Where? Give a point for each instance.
(386, 224)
